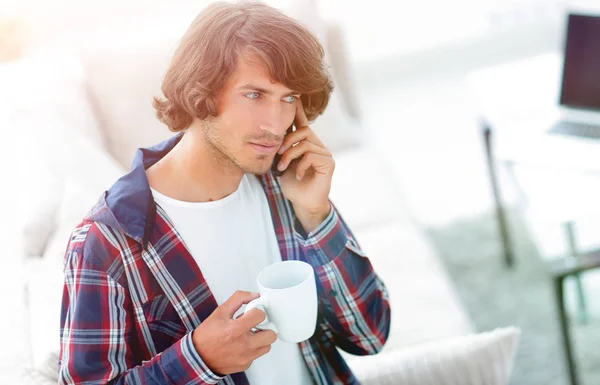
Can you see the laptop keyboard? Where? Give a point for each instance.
(576, 129)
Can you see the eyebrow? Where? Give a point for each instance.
(264, 90)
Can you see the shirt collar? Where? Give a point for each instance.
(130, 198)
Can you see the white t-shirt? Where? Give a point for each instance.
(232, 240)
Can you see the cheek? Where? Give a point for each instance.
(235, 117)
(244, 113)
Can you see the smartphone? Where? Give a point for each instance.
(277, 158)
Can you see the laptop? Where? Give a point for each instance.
(580, 88)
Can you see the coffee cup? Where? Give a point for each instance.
(288, 296)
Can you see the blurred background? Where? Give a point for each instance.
(475, 209)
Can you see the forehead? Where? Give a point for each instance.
(252, 70)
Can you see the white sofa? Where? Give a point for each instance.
(90, 100)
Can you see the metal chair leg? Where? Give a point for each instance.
(500, 212)
(564, 329)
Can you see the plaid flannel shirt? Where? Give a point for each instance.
(133, 293)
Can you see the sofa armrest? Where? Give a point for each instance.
(43, 291)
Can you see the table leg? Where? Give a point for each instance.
(582, 305)
(500, 213)
(564, 329)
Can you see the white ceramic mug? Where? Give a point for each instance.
(288, 296)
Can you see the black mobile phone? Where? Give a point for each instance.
(277, 157)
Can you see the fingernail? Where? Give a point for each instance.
(280, 166)
(281, 149)
(298, 176)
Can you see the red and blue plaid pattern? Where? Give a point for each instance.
(133, 293)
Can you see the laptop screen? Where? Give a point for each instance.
(581, 71)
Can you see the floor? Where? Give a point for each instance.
(495, 297)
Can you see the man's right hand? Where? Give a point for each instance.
(228, 345)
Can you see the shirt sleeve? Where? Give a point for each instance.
(98, 338)
(353, 299)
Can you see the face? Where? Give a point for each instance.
(253, 116)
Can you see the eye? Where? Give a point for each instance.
(290, 98)
(252, 95)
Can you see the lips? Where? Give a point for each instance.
(265, 144)
(265, 148)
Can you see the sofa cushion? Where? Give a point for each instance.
(478, 359)
(47, 113)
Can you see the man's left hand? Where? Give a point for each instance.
(308, 167)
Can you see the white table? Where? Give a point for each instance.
(560, 175)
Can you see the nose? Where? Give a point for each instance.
(274, 120)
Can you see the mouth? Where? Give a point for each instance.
(265, 148)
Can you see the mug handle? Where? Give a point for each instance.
(261, 303)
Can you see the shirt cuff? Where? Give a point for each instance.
(185, 366)
(326, 242)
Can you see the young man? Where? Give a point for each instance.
(158, 269)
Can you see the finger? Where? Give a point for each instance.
(299, 150)
(249, 320)
(263, 338)
(236, 301)
(261, 352)
(320, 163)
(301, 134)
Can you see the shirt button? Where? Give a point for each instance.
(332, 293)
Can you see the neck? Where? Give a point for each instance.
(195, 171)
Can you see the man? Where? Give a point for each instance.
(157, 271)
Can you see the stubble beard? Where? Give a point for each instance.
(222, 157)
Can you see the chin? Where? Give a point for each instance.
(257, 168)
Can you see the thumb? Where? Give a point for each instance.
(236, 301)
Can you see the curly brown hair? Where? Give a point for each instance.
(223, 32)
